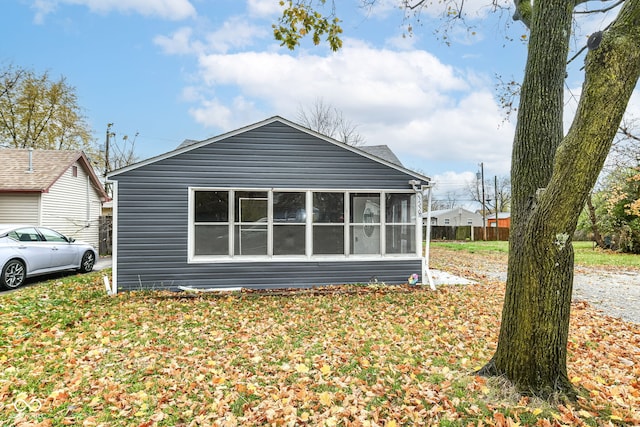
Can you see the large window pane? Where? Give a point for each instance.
(400, 239)
(251, 239)
(250, 206)
(289, 207)
(250, 230)
(211, 206)
(288, 239)
(365, 239)
(365, 220)
(400, 214)
(400, 208)
(328, 239)
(328, 208)
(212, 240)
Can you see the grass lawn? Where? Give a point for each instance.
(354, 356)
(585, 252)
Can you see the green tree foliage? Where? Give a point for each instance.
(41, 113)
(300, 19)
(552, 172)
(617, 210)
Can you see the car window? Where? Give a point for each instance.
(52, 236)
(28, 234)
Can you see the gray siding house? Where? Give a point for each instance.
(270, 205)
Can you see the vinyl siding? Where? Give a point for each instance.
(152, 206)
(20, 208)
(72, 206)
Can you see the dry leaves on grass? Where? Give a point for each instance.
(383, 356)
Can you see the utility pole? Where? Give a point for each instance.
(495, 189)
(106, 157)
(480, 175)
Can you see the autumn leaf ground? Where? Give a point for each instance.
(352, 356)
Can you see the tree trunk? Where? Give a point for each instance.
(551, 178)
(597, 237)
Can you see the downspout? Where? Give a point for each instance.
(112, 288)
(425, 259)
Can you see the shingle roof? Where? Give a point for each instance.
(47, 167)
(381, 151)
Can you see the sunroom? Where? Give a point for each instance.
(244, 224)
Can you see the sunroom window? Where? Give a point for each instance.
(289, 224)
(251, 222)
(328, 223)
(400, 223)
(365, 223)
(211, 223)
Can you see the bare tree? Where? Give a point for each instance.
(497, 188)
(328, 120)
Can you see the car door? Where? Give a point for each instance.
(29, 244)
(63, 253)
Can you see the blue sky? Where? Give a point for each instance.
(169, 70)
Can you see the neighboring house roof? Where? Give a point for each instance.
(187, 142)
(35, 171)
(382, 153)
(501, 215)
(455, 211)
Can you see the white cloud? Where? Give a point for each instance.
(429, 113)
(220, 114)
(235, 33)
(166, 9)
(180, 42)
(455, 187)
(264, 8)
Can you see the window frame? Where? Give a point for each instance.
(309, 225)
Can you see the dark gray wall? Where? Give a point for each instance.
(153, 202)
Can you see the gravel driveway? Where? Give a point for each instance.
(615, 292)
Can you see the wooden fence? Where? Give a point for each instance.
(467, 232)
(106, 235)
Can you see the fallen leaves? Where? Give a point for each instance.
(389, 356)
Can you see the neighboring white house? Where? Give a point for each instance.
(51, 188)
(455, 217)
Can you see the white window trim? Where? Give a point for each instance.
(308, 256)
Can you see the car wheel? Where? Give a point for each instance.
(88, 260)
(13, 274)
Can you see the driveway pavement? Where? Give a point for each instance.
(102, 263)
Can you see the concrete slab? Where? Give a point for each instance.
(444, 278)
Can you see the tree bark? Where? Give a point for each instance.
(551, 179)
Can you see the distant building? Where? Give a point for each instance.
(504, 220)
(455, 217)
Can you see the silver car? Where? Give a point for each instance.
(27, 250)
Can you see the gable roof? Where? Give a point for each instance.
(382, 155)
(47, 166)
